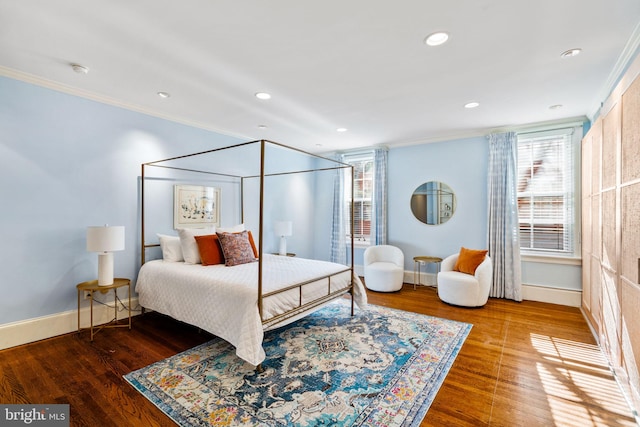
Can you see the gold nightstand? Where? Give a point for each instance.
(92, 286)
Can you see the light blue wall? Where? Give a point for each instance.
(288, 197)
(66, 163)
(462, 165)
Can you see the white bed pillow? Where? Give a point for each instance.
(171, 248)
(234, 229)
(189, 245)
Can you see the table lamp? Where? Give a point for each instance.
(283, 229)
(105, 240)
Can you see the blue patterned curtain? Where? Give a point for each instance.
(338, 231)
(380, 196)
(503, 229)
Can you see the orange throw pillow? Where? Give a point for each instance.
(469, 260)
(210, 249)
(253, 245)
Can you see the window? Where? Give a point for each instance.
(363, 176)
(546, 192)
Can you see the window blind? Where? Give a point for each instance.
(363, 196)
(546, 176)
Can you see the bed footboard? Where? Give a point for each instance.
(306, 307)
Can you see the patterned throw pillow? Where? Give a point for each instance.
(236, 248)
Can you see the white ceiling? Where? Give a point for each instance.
(358, 64)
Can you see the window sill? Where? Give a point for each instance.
(551, 259)
(359, 244)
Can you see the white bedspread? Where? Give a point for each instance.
(223, 300)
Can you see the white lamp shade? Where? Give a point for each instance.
(283, 228)
(105, 238)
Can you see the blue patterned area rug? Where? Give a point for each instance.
(382, 367)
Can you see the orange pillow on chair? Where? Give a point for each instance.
(469, 260)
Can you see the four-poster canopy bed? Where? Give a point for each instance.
(238, 303)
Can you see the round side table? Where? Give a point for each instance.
(418, 261)
(91, 287)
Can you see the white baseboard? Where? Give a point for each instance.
(569, 297)
(39, 328)
(426, 279)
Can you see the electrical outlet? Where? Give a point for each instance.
(87, 294)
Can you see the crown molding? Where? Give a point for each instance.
(477, 133)
(542, 126)
(625, 70)
(103, 99)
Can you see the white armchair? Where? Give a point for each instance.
(457, 288)
(383, 268)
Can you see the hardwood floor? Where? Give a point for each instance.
(528, 363)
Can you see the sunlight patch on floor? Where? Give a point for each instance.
(577, 380)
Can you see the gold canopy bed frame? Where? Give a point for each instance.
(191, 164)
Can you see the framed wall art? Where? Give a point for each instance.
(195, 206)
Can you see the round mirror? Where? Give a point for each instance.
(433, 203)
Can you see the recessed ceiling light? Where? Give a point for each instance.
(436, 39)
(341, 130)
(472, 104)
(556, 107)
(571, 52)
(263, 95)
(80, 69)
(262, 126)
(164, 94)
